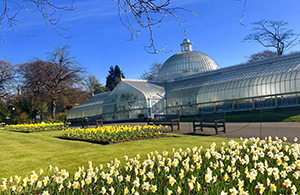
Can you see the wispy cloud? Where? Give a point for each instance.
(91, 9)
(98, 10)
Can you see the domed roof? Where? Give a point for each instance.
(186, 63)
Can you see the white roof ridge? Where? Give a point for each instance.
(136, 80)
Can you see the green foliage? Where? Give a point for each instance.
(292, 119)
(62, 116)
(114, 77)
(4, 111)
(23, 117)
(31, 104)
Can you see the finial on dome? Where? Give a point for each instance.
(186, 45)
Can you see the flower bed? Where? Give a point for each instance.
(248, 167)
(113, 134)
(36, 127)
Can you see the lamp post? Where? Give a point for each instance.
(13, 115)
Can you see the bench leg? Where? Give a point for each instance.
(194, 127)
(216, 128)
(224, 129)
(172, 128)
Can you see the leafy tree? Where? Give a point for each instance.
(152, 74)
(94, 86)
(51, 79)
(272, 34)
(266, 54)
(114, 77)
(6, 77)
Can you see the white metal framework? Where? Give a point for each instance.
(192, 82)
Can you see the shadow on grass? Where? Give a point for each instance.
(199, 134)
(101, 142)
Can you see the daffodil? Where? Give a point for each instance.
(179, 191)
(273, 187)
(45, 193)
(153, 188)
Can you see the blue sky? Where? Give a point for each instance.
(99, 40)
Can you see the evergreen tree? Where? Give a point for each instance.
(114, 77)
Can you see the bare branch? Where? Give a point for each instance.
(146, 14)
(52, 78)
(244, 13)
(10, 12)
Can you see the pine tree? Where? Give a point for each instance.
(114, 77)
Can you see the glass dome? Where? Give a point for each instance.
(186, 63)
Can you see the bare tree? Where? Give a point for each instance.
(266, 54)
(94, 86)
(152, 74)
(6, 77)
(52, 78)
(272, 34)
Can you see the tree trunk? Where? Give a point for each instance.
(53, 109)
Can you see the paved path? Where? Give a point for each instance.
(246, 130)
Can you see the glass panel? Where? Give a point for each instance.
(223, 106)
(243, 104)
(264, 102)
(285, 100)
(206, 108)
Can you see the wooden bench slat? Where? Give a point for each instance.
(213, 121)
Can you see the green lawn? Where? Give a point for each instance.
(21, 153)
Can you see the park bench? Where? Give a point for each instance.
(170, 120)
(99, 122)
(85, 122)
(216, 121)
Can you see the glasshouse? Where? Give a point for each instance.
(192, 82)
